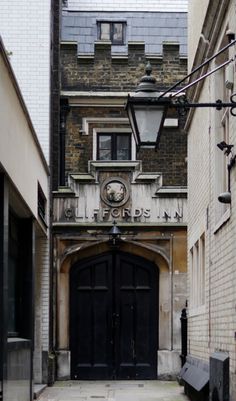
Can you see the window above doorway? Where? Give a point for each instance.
(113, 31)
(114, 146)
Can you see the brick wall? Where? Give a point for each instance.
(160, 5)
(42, 288)
(103, 73)
(55, 93)
(25, 29)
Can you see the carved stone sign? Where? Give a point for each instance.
(120, 198)
(119, 213)
(115, 192)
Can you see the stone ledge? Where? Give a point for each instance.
(38, 389)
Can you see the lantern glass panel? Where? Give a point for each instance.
(149, 119)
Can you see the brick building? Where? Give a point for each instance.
(118, 302)
(211, 235)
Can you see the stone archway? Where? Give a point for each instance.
(80, 253)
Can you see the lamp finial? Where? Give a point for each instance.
(148, 68)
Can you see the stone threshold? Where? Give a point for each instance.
(38, 389)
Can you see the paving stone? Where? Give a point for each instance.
(114, 391)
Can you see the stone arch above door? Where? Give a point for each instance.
(153, 253)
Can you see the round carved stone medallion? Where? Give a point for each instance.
(114, 191)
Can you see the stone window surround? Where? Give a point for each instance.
(169, 123)
(197, 277)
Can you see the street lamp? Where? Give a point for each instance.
(147, 111)
(147, 108)
(114, 233)
(225, 197)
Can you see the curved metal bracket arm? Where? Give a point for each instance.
(183, 105)
(204, 76)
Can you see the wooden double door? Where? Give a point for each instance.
(113, 318)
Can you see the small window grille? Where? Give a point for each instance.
(41, 204)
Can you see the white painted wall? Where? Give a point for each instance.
(131, 5)
(25, 29)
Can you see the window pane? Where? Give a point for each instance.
(123, 147)
(105, 31)
(104, 147)
(117, 33)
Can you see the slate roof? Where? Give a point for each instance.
(153, 28)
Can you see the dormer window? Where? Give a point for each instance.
(113, 31)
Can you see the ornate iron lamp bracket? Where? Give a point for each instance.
(183, 105)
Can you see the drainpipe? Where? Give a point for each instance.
(64, 110)
(184, 336)
(172, 292)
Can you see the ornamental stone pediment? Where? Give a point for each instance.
(120, 191)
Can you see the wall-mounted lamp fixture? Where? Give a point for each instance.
(224, 146)
(225, 197)
(114, 234)
(147, 108)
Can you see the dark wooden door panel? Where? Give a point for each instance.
(113, 331)
(136, 289)
(91, 315)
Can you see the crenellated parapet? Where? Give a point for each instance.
(102, 70)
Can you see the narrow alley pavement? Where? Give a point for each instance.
(114, 391)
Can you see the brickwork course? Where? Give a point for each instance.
(27, 40)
